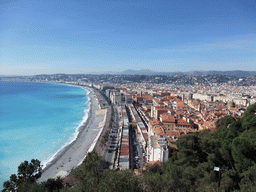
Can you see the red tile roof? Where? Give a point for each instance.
(124, 150)
(154, 122)
(159, 131)
(172, 133)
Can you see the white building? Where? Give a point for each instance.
(157, 149)
(202, 97)
(115, 97)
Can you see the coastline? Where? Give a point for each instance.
(76, 133)
(85, 138)
(73, 154)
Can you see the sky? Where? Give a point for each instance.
(88, 36)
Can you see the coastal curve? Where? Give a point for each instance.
(73, 154)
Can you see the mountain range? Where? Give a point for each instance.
(239, 73)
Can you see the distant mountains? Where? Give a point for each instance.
(238, 73)
(139, 72)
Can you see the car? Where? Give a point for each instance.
(108, 149)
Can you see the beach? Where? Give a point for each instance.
(74, 153)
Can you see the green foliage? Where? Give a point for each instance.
(104, 139)
(244, 150)
(232, 148)
(248, 182)
(25, 180)
(249, 118)
(28, 173)
(119, 181)
(89, 174)
(32, 187)
(223, 125)
(53, 184)
(156, 179)
(116, 153)
(190, 152)
(112, 117)
(93, 176)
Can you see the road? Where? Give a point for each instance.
(109, 153)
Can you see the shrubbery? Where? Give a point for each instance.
(232, 148)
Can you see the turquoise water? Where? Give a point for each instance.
(36, 121)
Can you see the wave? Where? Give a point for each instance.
(74, 135)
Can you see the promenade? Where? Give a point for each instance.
(89, 134)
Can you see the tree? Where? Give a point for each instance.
(10, 185)
(53, 184)
(244, 150)
(224, 122)
(89, 174)
(190, 151)
(249, 118)
(124, 180)
(27, 173)
(248, 182)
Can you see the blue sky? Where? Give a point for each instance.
(83, 36)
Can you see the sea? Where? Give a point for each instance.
(37, 120)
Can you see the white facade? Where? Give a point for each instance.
(157, 149)
(202, 97)
(115, 97)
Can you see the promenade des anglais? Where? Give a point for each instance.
(152, 132)
(127, 96)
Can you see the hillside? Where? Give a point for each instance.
(221, 160)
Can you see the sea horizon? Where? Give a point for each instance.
(37, 120)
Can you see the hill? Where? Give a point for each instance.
(237, 73)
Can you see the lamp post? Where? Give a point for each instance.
(219, 170)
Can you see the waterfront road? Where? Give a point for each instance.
(109, 154)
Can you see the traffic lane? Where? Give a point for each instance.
(111, 145)
(140, 150)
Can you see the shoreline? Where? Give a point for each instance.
(85, 139)
(73, 154)
(76, 133)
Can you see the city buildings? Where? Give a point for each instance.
(156, 111)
